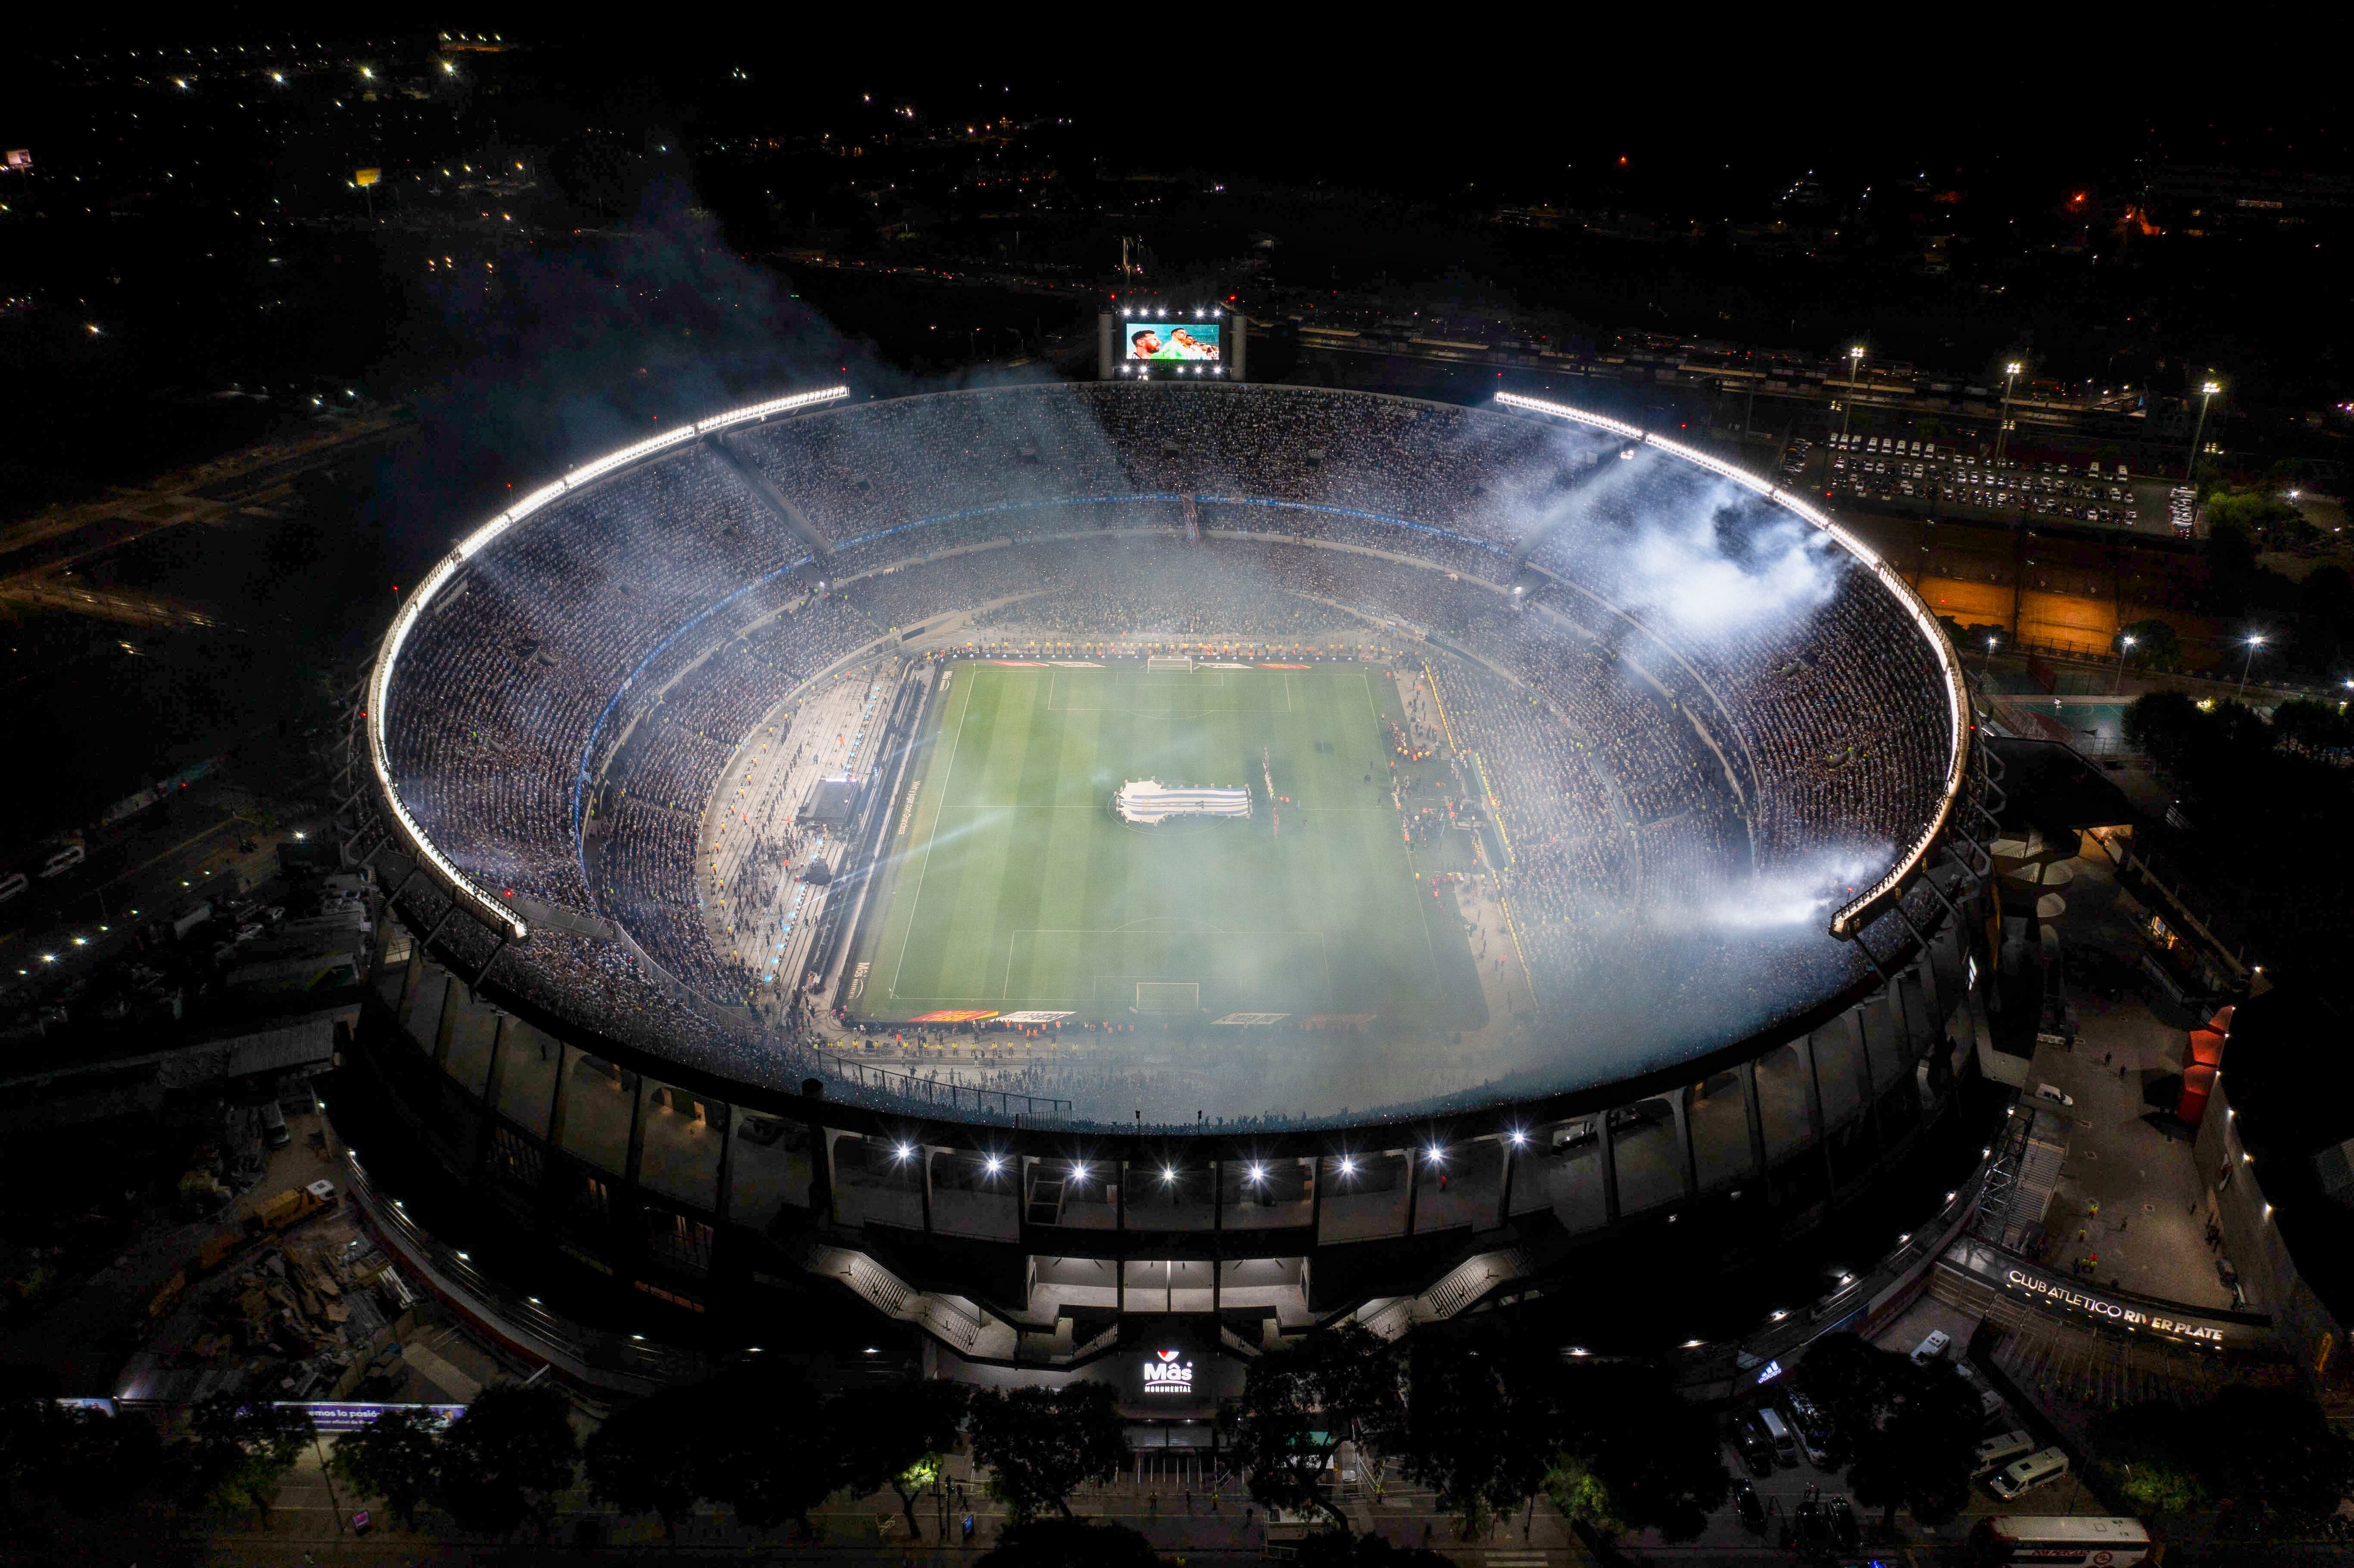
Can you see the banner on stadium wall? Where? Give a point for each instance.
(1287, 666)
(1031, 1017)
(350, 1415)
(952, 1015)
(1249, 1018)
(1336, 1019)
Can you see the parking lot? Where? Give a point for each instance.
(1889, 469)
(1784, 1490)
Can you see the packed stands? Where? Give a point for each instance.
(1684, 687)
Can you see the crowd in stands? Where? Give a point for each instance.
(564, 709)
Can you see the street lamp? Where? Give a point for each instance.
(2002, 428)
(1854, 369)
(1989, 658)
(2124, 644)
(2207, 390)
(2255, 643)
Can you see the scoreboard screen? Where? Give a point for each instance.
(1169, 340)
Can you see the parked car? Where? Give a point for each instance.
(2055, 1095)
(1756, 1448)
(1747, 1506)
(2021, 1476)
(1844, 1529)
(1933, 1348)
(2000, 1449)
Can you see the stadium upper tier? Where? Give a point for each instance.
(1710, 725)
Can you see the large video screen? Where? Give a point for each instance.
(1169, 340)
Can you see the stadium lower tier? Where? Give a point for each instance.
(626, 1220)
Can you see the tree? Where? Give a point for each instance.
(767, 1451)
(899, 1440)
(1652, 1455)
(649, 1457)
(1480, 1440)
(2276, 1456)
(2154, 1453)
(236, 1453)
(2312, 727)
(1915, 1429)
(1299, 1405)
(505, 1457)
(89, 1462)
(395, 1459)
(1041, 1445)
(1070, 1543)
(2154, 642)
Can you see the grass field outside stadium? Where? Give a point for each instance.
(1012, 885)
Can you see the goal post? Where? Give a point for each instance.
(1167, 664)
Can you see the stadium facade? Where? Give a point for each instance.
(1731, 805)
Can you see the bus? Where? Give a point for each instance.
(2053, 1540)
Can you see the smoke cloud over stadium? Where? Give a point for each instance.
(1499, 843)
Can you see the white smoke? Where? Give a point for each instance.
(1693, 555)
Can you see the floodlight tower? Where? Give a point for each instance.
(2207, 390)
(2002, 428)
(1854, 369)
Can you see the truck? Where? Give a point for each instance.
(292, 1207)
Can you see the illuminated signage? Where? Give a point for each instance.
(2112, 1310)
(1168, 1372)
(1772, 1371)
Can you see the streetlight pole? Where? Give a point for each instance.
(2207, 390)
(1854, 369)
(2124, 643)
(2248, 663)
(2002, 426)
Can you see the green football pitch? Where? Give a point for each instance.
(1012, 885)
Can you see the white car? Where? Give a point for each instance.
(1931, 1349)
(2053, 1093)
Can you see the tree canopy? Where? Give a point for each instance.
(505, 1459)
(236, 1453)
(1479, 1432)
(2268, 1455)
(1299, 1405)
(1041, 1445)
(87, 1461)
(771, 1457)
(1644, 1456)
(2233, 769)
(1915, 1429)
(899, 1443)
(651, 1457)
(395, 1459)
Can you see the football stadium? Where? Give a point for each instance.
(1066, 866)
